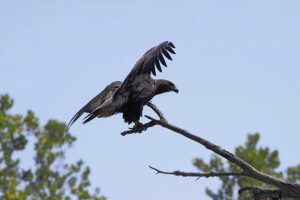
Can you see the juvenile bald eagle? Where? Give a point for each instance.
(137, 89)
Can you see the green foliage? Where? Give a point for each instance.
(49, 177)
(262, 158)
(293, 174)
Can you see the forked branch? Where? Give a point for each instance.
(286, 189)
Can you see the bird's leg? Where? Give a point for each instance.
(138, 126)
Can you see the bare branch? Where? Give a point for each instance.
(157, 111)
(286, 189)
(199, 175)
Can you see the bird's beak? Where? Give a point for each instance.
(175, 90)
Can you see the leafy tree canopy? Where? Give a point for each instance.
(50, 177)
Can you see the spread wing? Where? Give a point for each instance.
(139, 77)
(102, 98)
(115, 95)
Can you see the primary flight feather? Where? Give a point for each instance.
(137, 89)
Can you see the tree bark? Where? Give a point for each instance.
(285, 188)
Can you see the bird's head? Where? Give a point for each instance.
(165, 86)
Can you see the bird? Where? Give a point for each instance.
(130, 96)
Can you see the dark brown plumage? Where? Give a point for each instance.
(137, 89)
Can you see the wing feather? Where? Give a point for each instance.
(166, 54)
(169, 48)
(157, 65)
(96, 102)
(147, 65)
(162, 60)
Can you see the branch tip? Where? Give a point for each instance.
(286, 189)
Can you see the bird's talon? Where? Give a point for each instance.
(138, 127)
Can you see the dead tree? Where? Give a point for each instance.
(284, 189)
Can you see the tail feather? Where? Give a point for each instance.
(74, 118)
(94, 106)
(89, 117)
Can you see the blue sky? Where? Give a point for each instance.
(237, 68)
